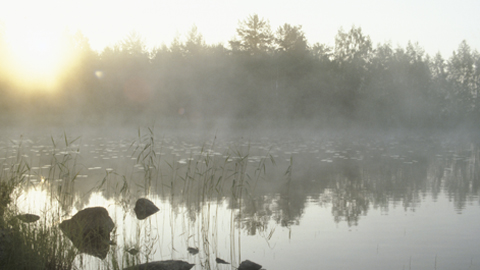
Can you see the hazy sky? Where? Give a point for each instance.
(437, 25)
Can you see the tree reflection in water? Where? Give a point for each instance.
(269, 183)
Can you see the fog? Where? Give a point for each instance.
(265, 79)
(324, 143)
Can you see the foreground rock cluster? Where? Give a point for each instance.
(89, 230)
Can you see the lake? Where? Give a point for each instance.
(316, 201)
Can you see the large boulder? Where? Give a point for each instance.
(163, 265)
(5, 243)
(144, 208)
(89, 230)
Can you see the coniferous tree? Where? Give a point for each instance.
(463, 76)
(255, 36)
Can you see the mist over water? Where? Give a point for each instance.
(285, 153)
(313, 200)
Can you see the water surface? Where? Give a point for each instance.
(317, 202)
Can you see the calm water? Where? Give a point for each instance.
(311, 203)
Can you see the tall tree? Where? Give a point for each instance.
(441, 87)
(133, 44)
(353, 54)
(322, 52)
(195, 42)
(291, 39)
(255, 36)
(463, 73)
(353, 47)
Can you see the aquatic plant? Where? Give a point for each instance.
(37, 245)
(201, 183)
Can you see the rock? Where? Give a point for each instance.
(192, 250)
(249, 265)
(5, 243)
(144, 208)
(220, 261)
(162, 265)
(28, 218)
(133, 251)
(89, 230)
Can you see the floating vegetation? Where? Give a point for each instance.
(215, 197)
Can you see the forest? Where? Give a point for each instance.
(261, 78)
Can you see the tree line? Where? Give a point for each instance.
(264, 77)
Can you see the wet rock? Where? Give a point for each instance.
(249, 265)
(89, 230)
(163, 265)
(133, 251)
(220, 261)
(144, 208)
(192, 250)
(28, 218)
(5, 243)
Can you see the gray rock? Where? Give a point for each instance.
(133, 251)
(144, 208)
(249, 265)
(192, 250)
(28, 218)
(162, 265)
(5, 243)
(221, 261)
(89, 230)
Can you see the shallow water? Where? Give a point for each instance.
(316, 203)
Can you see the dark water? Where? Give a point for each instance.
(317, 202)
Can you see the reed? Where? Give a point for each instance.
(200, 184)
(36, 245)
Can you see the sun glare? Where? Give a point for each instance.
(37, 58)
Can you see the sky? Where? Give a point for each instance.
(438, 26)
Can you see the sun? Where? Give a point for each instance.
(36, 57)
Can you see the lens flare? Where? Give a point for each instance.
(36, 57)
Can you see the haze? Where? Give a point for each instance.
(438, 26)
(215, 65)
(263, 131)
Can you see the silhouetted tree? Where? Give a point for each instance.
(195, 43)
(254, 36)
(133, 44)
(464, 75)
(291, 39)
(349, 83)
(353, 54)
(322, 52)
(353, 48)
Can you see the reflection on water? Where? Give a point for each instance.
(330, 204)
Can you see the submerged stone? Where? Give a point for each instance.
(144, 208)
(28, 218)
(163, 265)
(89, 230)
(249, 265)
